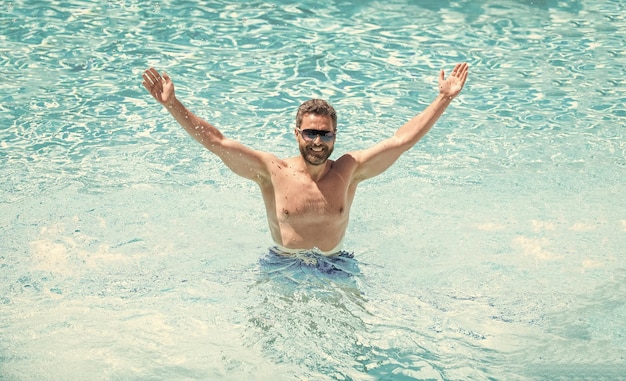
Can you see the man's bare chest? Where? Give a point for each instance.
(301, 197)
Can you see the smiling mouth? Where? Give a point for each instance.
(316, 154)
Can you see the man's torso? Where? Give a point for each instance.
(303, 213)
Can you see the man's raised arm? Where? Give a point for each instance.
(241, 159)
(375, 160)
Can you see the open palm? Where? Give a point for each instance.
(161, 87)
(452, 86)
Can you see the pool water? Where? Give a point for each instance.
(492, 250)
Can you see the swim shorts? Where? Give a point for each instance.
(340, 263)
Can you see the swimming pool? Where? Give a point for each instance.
(492, 250)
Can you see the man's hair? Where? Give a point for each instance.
(317, 107)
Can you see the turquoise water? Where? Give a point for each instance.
(492, 250)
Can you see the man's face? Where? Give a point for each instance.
(315, 149)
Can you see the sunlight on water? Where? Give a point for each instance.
(492, 250)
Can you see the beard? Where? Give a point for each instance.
(315, 157)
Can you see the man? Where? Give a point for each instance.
(308, 197)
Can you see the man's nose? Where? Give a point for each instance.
(318, 139)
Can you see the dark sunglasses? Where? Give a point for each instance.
(310, 135)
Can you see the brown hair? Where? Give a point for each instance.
(317, 107)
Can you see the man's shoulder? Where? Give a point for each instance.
(346, 164)
(270, 158)
(347, 158)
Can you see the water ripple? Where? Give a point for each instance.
(542, 116)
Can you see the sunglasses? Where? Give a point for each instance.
(310, 135)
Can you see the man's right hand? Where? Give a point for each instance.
(161, 87)
(452, 86)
